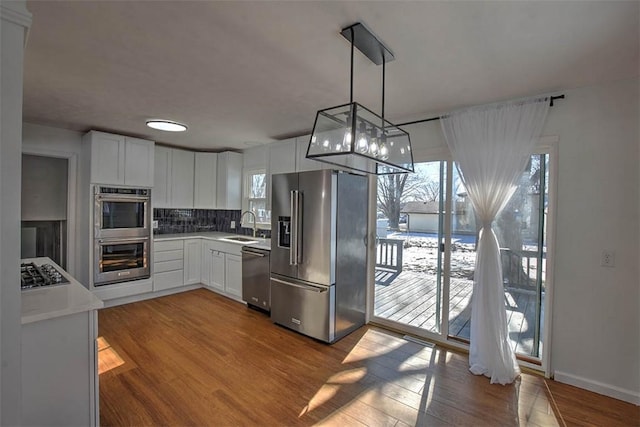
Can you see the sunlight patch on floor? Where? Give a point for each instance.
(108, 358)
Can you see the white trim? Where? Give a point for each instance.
(598, 387)
(149, 295)
(549, 144)
(72, 179)
(22, 18)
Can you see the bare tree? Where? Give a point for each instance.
(393, 190)
(429, 191)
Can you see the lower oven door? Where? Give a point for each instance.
(120, 260)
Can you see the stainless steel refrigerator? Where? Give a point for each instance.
(319, 252)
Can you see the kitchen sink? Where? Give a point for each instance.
(238, 239)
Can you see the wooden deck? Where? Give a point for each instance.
(410, 298)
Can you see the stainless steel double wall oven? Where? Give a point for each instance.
(122, 234)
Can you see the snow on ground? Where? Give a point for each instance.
(420, 253)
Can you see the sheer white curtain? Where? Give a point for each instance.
(491, 145)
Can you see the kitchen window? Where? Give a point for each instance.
(255, 197)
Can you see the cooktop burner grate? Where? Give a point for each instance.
(33, 276)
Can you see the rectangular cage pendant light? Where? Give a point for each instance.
(354, 137)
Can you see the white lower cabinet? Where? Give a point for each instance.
(233, 273)
(168, 264)
(216, 270)
(216, 265)
(192, 260)
(221, 271)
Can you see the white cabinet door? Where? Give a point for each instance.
(107, 158)
(233, 272)
(255, 158)
(205, 265)
(217, 270)
(182, 163)
(192, 261)
(282, 156)
(282, 159)
(205, 177)
(138, 162)
(229, 180)
(161, 194)
(302, 163)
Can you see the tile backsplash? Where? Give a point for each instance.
(199, 220)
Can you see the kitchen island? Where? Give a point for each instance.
(59, 355)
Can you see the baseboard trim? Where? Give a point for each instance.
(598, 387)
(150, 295)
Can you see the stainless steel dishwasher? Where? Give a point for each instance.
(256, 287)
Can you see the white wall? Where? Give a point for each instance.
(68, 144)
(596, 312)
(14, 19)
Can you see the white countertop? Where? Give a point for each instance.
(49, 302)
(260, 243)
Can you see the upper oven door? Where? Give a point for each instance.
(121, 215)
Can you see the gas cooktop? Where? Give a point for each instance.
(33, 276)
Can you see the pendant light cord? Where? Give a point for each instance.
(384, 63)
(351, 82)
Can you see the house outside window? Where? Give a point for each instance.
(255, 197)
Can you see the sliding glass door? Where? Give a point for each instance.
(410, 235)
(426, 246)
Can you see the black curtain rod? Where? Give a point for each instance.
(430, 119)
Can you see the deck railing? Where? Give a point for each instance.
(389, 254)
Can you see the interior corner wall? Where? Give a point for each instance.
(14, 20)
(596, 309)
(63, 143)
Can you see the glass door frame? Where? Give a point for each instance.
(546, 145)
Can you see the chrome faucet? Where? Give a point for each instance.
(254, 220)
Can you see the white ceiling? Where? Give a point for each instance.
(242, 72)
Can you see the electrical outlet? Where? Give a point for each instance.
(608, 258)
(233, 224)
(155, 224)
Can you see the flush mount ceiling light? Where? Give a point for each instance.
(166, 125)
(353, 136)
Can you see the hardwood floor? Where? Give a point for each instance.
(197, 358)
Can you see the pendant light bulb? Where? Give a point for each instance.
(384, 149)
(373, 145)
(346, 141)
(363, 143)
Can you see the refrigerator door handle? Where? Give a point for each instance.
(305, 287)
(293, 250)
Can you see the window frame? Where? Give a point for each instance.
(247, 183)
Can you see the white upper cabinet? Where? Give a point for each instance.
(282, 156)
(229, 180)
(162, 177)
(120, 160)
(182, 164)
(184, 179)
(138, 162)
(302, 163)
(173, 178)
(255, 158)
(205, 177)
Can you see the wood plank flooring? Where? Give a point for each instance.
(410, 298)
(200, 359)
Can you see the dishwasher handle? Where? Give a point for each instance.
(256, 254)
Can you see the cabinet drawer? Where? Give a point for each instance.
(167, 280)
(168, 255)
(169, 245)
(159, 267)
